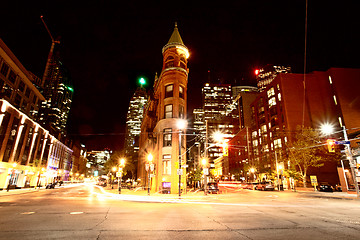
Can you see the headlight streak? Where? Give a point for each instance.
(163, 199)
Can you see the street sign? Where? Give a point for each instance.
(179, 172)
(185, 166)
(342, 142)
(147, 167)
(152, 167)
(206, 171)
(313, 180)
(118, 174)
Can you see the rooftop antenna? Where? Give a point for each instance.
(53, 41)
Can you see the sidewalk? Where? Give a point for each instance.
(351, 195)
(4, 192)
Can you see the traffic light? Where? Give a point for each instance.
(225, 149)
(331, 145)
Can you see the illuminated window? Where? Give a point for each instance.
(169, 91)
(254, 134)
(167, 164)
(263, 128)
(255, 143)
(279, 97)
(181, 92)
(272, 102)
(167, 137)
(270, 92)
(181, 111)
(169, 111)
(277, 143)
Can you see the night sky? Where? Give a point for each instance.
(108, 45)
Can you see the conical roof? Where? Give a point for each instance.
(175, 39)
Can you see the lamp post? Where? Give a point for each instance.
(328, 129)
(150, 158)
(352, 162)
(112, 178)
(181, 124)
(122, 164)
(205, 170)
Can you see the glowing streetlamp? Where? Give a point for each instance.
(121, 166)
(327, 128)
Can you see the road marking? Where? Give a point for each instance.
(27, 213)
(74, 213)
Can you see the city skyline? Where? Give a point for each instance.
(107, 49)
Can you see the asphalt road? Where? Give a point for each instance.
(84, 212)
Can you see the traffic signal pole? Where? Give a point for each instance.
(352, 162)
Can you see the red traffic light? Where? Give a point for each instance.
(331, 145)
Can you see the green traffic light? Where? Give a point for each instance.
(142, 81)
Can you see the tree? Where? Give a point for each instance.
(308, 151)
(114, 161)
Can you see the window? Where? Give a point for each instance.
(12, 76)
(277, 143)
(270, 92)
(169, 90)
(181, 111)
(167, 137)
(4, 69)
(169, 62)
(263, 128)
(27, 92)
(21, 86)
(167, 164)
(181, 92)
(254, 134)
(169, 111)
(272, 102)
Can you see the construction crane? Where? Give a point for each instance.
(53, 42)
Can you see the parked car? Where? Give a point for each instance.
(325, 187)
(213, 187)
(50, 186)
(251, 185)
(265, 186)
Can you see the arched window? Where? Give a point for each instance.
(182, 62)
(169, 62)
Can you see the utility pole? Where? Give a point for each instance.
(50, 53)
(351, 161)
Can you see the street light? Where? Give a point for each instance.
(327, 128)
(181, 124)
(112, 178)
(150, 158)
(205, 170)
(122, 164)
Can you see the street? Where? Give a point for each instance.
(86, 212)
